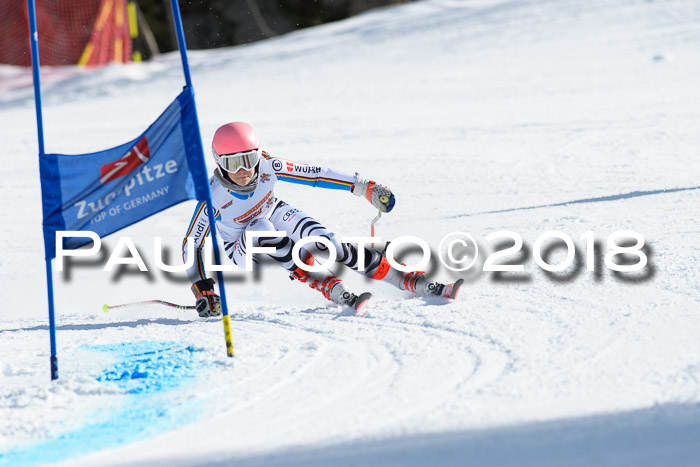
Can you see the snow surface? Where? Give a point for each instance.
(482, 116)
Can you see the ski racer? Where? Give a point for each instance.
(243, 197)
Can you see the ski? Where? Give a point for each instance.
(106, 307)
(360, 302)
(451, 291)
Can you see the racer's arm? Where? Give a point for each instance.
(295, 172)
(208, 302)
(313, 175)
(197, 231)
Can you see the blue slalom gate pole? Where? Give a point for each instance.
(210, 209)
(34, 41)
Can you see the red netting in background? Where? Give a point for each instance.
(92, 32)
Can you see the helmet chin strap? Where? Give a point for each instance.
(220, 175)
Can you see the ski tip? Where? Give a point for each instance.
(105, 308)
(456, 288)
(362, 300)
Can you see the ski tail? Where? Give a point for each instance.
(361, 301)
(452, 291)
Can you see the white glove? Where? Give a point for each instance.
(380, 196)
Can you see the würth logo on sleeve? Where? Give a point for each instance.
(290, 166)
(138, 155)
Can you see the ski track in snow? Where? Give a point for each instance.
(481, 115)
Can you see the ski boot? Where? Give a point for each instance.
(330, 286)
(356, 302)
(450, 291)
(417, 283)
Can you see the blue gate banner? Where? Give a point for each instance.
(108, 190)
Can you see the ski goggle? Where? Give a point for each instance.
(241, 160)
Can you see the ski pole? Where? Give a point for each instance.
(106, 307)
(374, 221)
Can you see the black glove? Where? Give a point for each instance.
(208, 303)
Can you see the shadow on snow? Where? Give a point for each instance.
(661, 435)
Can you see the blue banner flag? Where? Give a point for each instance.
(108, 190)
